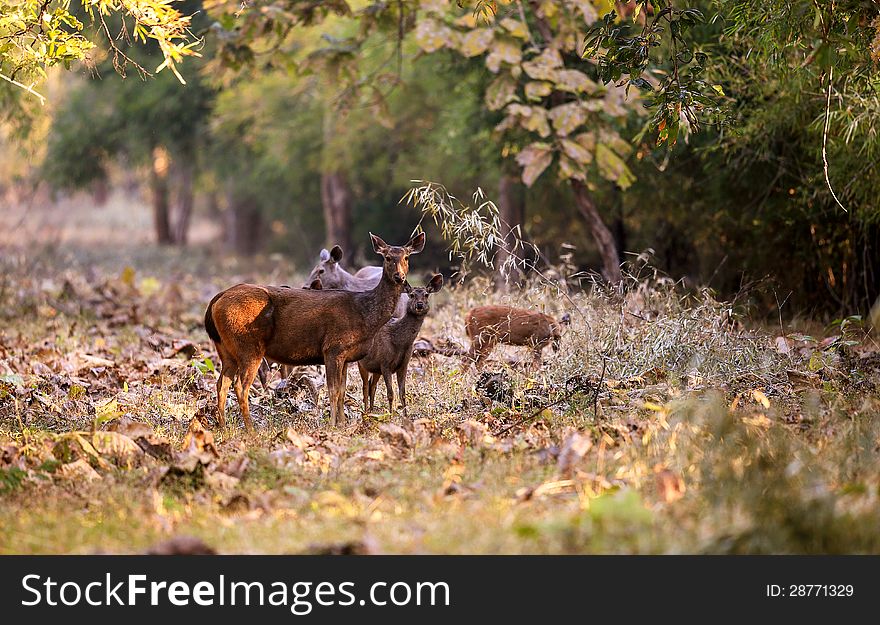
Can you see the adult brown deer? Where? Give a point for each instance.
(487, 326)
(392, 347)
(333, 276)
(287, 370)
(248, 322)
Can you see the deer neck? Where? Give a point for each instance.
(379, 304)
(406, 328)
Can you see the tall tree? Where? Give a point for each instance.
(159, 125)
(554, 110)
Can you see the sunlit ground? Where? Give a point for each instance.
(696, 436)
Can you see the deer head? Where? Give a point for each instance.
(395, 263)
(418, 296)
(327, 270)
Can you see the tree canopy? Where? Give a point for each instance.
(718, 134)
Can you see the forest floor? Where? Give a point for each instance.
(663, 425)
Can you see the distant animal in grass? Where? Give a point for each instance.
(487, 326)
(392, 347)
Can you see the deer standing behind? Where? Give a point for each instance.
(486, 326)
(333, 276)
(248, 322)
(392, 347)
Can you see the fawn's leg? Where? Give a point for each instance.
(482, 347)
(401, 387)
(386, 375)
(365, 379)
(374, 382)
(263, 373)
(536, 358)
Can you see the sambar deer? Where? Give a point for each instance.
(486, 326)
(392, 347)
(333, 276)
(248, 322)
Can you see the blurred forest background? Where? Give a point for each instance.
(302, 124)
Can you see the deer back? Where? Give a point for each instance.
(513, 326)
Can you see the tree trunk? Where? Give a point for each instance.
(185, 201)
(159, 192)
(601, 234)
(336, 201)
(512, 210)
(100, 191)
(244, 225)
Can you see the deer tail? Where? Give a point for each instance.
(210, 327)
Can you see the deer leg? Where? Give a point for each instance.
(365, 379)
(386, 375)
(227, 375)
(374, 382)
(536, 358)
(483, 349)
(332, 385)
(401, 387)
(336, 388)
(242, 387)
(263, 372)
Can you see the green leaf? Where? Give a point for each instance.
(612, 167)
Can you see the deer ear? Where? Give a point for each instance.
(416, 244)
(325, 255)
(407, 288)
(379, 246)
(435, 284)
(336, 254)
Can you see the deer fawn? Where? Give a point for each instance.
(302, 327)
(487, 326)
(392, 346)
(332, 276)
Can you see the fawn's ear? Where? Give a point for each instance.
(379, 246)
(325, 255)
(336, 254)
(407, 288)
(435, 284)
(416, 244)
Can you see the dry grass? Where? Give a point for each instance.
(684, 432)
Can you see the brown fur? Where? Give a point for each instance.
(392, 347)
(286, 370)
(487, 326)
(302, 327)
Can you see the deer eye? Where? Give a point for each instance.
(320, 271)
